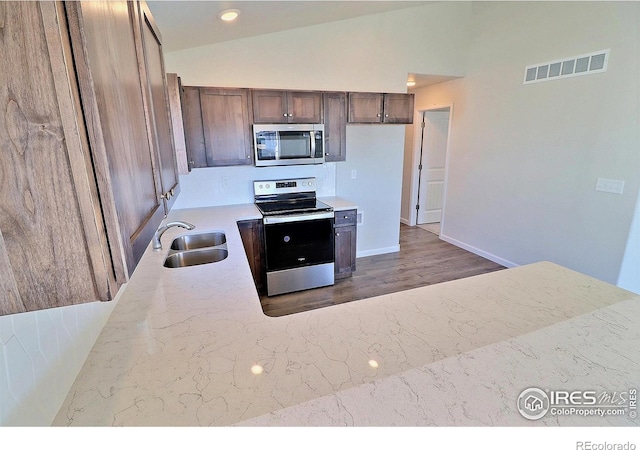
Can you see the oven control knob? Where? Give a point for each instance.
(260, 187)
(268, 186)
(287, 238)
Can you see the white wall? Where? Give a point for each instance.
(377, 159)
(372, 53)
(524, 159)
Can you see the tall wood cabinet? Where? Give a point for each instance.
(80, 165)
(335, 126)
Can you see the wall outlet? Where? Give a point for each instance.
(354, 174)
(612, 186)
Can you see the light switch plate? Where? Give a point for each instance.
(612, 186)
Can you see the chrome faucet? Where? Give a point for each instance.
(157, 245)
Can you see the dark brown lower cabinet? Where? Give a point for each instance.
(345, 243)
(252, 234)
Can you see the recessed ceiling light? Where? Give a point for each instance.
(229, 15)
(411, 83)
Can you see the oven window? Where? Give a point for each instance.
(295, 144)
(298, 244)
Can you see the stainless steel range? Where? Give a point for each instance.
(298, 230)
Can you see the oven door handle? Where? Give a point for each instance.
(297, 217)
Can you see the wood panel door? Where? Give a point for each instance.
(157, 104)
(273, 106)
(52, 248)
(108, 67)
(252, 234)
(398, 108)
(193, 130)
(365, 107)
(345, 231)
(335, 126)
(225, 122)
(269, 106)
(304, 107)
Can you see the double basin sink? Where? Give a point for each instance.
(196, 249)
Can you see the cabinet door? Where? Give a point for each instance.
(252, 234)
(225, 120)
(345, 243)
(193, 131)
(174, 88)
(158, 105)
(365, 107)
(335, 126)
(304, 107)
(104, 46)
(269, 106)
(398, 108)
(53, 250)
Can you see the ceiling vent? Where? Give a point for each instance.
(573, 66)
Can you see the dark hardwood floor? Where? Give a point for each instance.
(423, 259)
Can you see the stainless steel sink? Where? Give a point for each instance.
(196, 249)
(200, 240)
(195, 257)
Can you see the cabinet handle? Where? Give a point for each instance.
(337, 234)
(346, 217)
(378, 115)
(386, 115)
(284, 115)
(290, 115)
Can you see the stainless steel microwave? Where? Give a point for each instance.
(288, 144)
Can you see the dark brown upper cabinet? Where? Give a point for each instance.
(335, 126)
(273, 106)
(217, 126)
(124, 101)
(159, 120)
(83, 192)
(368, 107)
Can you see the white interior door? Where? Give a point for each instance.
(434, 150)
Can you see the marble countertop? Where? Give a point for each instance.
(191, 346)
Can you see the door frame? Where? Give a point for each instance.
(415, 161)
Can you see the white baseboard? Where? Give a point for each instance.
(405, 221)
(378, 251)
(477, 251)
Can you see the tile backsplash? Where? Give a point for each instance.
(41, 353)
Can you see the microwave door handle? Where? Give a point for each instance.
(312, 138)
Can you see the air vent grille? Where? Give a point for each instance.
(574, 66)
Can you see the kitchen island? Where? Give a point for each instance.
(191, 346)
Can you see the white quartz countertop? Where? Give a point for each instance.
(191, 346)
